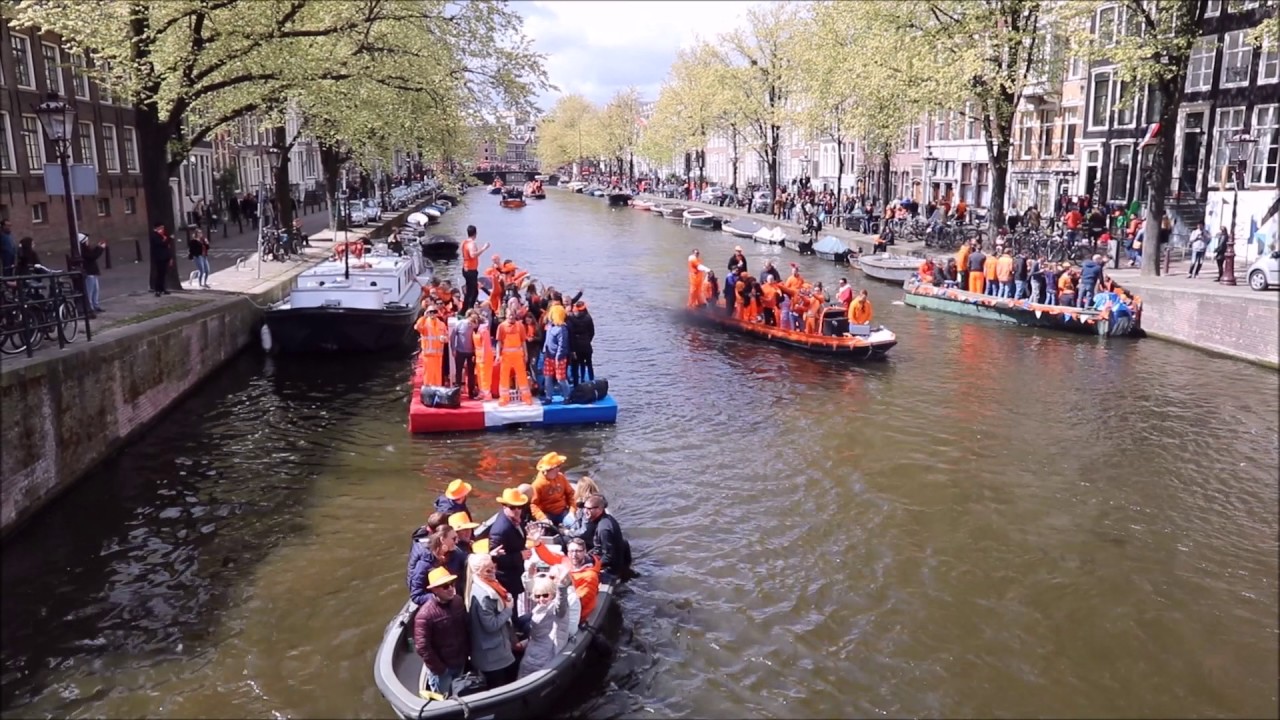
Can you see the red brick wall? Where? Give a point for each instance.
(51, 237)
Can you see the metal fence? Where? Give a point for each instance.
(45, 306)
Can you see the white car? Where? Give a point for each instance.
(1265, 272)
(356, 214)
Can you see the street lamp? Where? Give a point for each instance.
(271, 156)
(58, 118)
(1240, 145)
(931, 169)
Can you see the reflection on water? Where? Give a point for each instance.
(996, 521)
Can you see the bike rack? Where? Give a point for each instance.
(53, 298)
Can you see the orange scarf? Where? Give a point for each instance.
(497, 587)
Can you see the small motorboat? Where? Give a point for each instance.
(832, 248)
(894, 269)
(576, 186)
(864, 342)
(741, 227)
(447, 197)
(538, 195)
(598, 192)
(439, 247)
(701, 219)
(431, 211)
(676, 213)
(495, 189)
(1115, 317)
(770, 236)
(512, 198)
(645, 205)
(418, 219)
(800, 245)
(619, 199)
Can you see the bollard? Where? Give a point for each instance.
(137, 248)
(1168, 257)
(106, 257)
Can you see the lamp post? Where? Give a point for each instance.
(1240, 145)
(58, 118)
(930, 169)
(269, 160)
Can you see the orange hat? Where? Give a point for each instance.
(457, 490)
(480, 547)
(550, 460)
(462, 521)
(439, 576)
(513, 497)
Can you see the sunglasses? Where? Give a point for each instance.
(542, 596)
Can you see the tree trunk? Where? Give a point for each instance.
(775, 142)
(839, 168)
(1160, 176)
(331, 160)
(733, 139)
(283, 195)
(886, 184)
(999, 178)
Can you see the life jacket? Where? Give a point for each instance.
(436, 337)
(511, 336)
(860, 311)
(470, 259)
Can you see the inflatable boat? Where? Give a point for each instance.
(864, 342)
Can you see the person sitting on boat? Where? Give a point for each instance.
(490, 609)
(454, 498)
(555, 356)
(610, 546)
(926, 271)
(584, 570)
(769, 272)
(550, 605)
(553, 494)
(462, 524)
(441, 550)
(947, 276)
(441, 632)
(860, 310)
(696, 275)
(737, 261)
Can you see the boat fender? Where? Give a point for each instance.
(265, 337)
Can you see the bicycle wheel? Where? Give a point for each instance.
(69, 320)
(12, 340)
(35, 336)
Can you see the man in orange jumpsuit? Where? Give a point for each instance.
(511, 339)
(435, 338)
(484, 355)
(697, 275)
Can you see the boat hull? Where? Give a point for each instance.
(538, 196)
(440, 248)
(873, 347)
(322, 329)
(800, 246)
(512, 203)
(711, 223)
(619, 200)
(1019, 312)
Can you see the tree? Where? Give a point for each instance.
(756, 59)
(620, 127)
(1151, 46)
(568, 133)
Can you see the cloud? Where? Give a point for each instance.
(598, 48)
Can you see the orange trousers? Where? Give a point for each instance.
(811, 324)
(432, 370)
(482, 368)
(695, 290)
(513, 369)
(977, 282)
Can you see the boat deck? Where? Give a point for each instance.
(476, 415)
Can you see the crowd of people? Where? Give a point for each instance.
(792, 304)
(505, 605)
(518, 342)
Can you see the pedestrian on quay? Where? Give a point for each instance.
(1219, 250)
(198, 252)
(1198, 246)
(161, 257)
(89, 255)
(8, 248)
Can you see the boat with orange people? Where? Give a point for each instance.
(794, 313)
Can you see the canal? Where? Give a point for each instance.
(994, 522)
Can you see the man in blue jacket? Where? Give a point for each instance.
(1090, 278)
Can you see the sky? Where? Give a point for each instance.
(598, 48)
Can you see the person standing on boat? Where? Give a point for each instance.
(462, 343)
(696, 275)
(441, 632)
(549, 608)
(553, 495)
(610, 547)
(730, 291)
(490, 608)
(737, 261)
(555, 356)
(435, 339)
(511, 346)
(507, 532)
(454, 498)
(440, 550)
(582, 331)
(769, 272)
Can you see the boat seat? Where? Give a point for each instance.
(860, 330)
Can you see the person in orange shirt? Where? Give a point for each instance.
(962, 264)
(813, 313)
(990, 286)
(511, 339)
(770, 297)
(471, 268)
(860, 310)
(1004, 274)
(697, 276)
(584, 569)
(434, 341)
(483, 342)
(926, 271)
(552, 493)
(794, 281)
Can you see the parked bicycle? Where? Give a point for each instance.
(42, 306)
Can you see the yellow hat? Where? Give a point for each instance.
(457, 490)
(480, 547)
(439, 576)
(513, 497)
(550, 460)
(462, 521)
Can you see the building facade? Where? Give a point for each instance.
(1044, 159)
(33, 64)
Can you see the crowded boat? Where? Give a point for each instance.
(791, 311)
(503, 616)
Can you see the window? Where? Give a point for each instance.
(1100, 99)
(130, 206)
(110, 151)
(22, 69)
(1047, 119)
(1229, 124)
(33, 142)
(1026, 127)
(940, 128)
(104, 207)
(6, 145)
(1070, 126)
(79, 78)
(1075, 69)
(52, 67)
(130, 150)
(1266, 130)
(1125, 102)
(104, 92)
(1269, 63)
(39, 213)
(1105, 25)
(1200, 67)
(1237, 53)
(1121, 172)
(1212, 8)
(88, 154)
(1153, 105)
(914, 140)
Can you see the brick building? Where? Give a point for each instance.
(33, 64)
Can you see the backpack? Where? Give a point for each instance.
(441, 397)
(588, 391)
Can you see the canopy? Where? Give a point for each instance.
(830, 244)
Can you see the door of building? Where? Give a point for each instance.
(1192, 146)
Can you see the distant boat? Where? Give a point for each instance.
(439, 246)
(702, 219)
(619, 199)
(770, 236)
(832, 248)
(741, 227)
(895, 269)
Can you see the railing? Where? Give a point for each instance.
(44, 306)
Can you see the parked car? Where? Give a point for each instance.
(712, 195)
(372, 209)
(356, 215)
(1265, 272)
(762, 201)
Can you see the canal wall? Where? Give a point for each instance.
(67, 411)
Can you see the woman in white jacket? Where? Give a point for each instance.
(489, 608)
(549, 612)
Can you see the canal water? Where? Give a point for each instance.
(994, 522)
